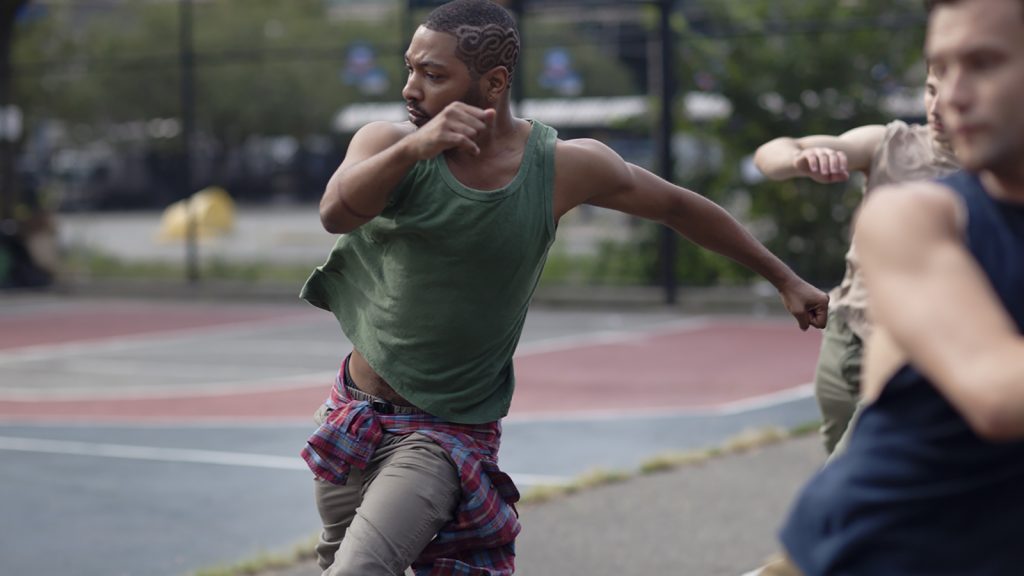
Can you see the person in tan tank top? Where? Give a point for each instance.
(885, 154)
(889, 154)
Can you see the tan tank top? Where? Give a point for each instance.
(906, 153)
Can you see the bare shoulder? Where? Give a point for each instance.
(586, 169)
(895, 214)
(869, 136)
(582, 150)
(861, 143)
(381, 131)
(867, 131)
(374, 138)
(588, 160)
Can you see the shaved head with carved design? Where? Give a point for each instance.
(485, 33)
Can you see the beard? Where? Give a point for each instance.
(474, 97)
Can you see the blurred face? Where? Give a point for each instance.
(976, 50)
(436, 76)
(931, 105)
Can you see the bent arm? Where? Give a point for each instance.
(376, 162)
(779, 158)
(936, 305)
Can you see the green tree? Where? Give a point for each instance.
(790, 68)
(262, 67)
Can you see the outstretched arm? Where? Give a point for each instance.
(823, 159)
(933, 303)
(600, 177)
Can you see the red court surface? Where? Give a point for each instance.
(724, 361)
(102, 321)
(712, 363)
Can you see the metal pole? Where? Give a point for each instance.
(668, 240)
(8, 191)
(407, 29)
(187, 129)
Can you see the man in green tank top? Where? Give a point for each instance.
(446, 221)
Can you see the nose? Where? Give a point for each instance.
(935, 106)
(955, 91)
(411, 91)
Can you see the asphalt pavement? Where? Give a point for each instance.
(716, 518)
(157, 438)
(157, 494)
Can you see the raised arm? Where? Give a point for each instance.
(933, 303)
(358, 190)
(381, 155)
(822, 158)
(595, 174)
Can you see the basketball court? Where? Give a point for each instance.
(159, 437)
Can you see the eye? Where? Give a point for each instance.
(983, 61)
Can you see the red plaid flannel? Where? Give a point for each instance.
(480, 540)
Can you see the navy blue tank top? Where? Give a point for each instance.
(918, 493)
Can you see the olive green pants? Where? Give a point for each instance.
(837, 382)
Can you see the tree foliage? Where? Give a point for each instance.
(261, 66)
(792, 68)
(787, 68)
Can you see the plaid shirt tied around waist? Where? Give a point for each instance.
(480, 540)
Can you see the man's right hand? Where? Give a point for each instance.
(823, 165)
(457, 126)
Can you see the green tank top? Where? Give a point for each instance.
(433, 292)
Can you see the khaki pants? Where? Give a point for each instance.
(380, 521)
(780, 566)
(837, 382)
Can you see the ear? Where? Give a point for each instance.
(495, 83)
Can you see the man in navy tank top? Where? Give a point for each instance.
(933, 480)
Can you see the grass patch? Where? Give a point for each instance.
(591, 479)
(613, 264)
(266, 562)
(90, 263)
(743, 442)
(806, 428)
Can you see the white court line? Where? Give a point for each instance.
(203, 390)
(301, 381)
(573, 341)
(733, 408)
(132, 341)
(542, 346)
(191, 456)
(130, 452)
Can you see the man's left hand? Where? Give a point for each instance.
(806, 303)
